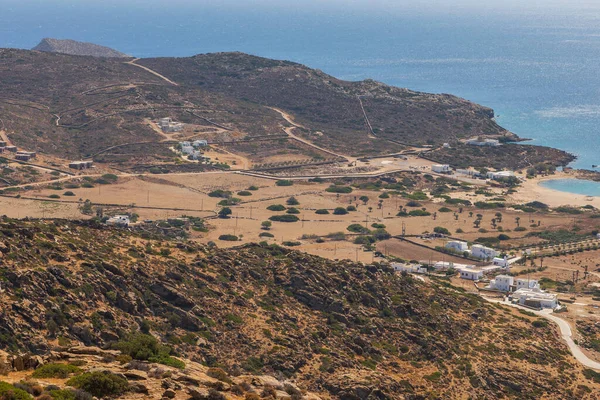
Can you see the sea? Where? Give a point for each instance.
(536, 64)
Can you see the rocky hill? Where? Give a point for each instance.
(73, 47)
(75, 107)
(334, 328)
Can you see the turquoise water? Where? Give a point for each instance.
(535, 64)
(575, 186)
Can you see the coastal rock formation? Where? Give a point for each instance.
(73, 47)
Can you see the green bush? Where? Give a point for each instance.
(413, 203)
(100, 384)
(244, 193)
(253, 188)
(340, 211)
(441, 230)
(68, 193)
(322, 211)
(292, 201)
(284, 218)
(358, 228)
(220, 193)
(419, 213)
(54, 196)
(229, 238)
(87, 185)
(291, 243)
(339, 189)
(444, 210)
(276, 207)
(55, 370)
(266, 234)
(351, 208)
(284, 182)
(9, 392)
(503, 236)
(293, 210)
(167, 360)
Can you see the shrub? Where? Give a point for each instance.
(266, 234)
(276, 207)
(520, 229)
(232, 201)
(503, 237)
(99, 384)
(322, 211)
(381, 234)
(358, 228)
(284, 218)
(284, 182)
(87, 185)
(340, 211)
(68, 193)
(419, 213)
(293, 210)
(54, 196)
(540, 323)
(55, 370)
(8, 391)
(441, 230)
(384, 196)
(225, 212)
(413, 203)
(444, 210)
(339, 189)
(351, 208)
(291, 244)
(244, 193)
(378, 226)
(253, 188)
(220, 193)
(229, 238)
(292, 201)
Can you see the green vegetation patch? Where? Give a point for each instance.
(55, 370)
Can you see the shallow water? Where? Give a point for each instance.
(575, 186)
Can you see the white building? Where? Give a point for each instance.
(482, 252)
(458, 246)
(448, 264)
(168, 125)
(501, 262)
(119, 220)
(199, 143)
(471, 274)
(441, 168)
(484, 142)
(535, 298)
(187, 149)
(527, 284)
(502, 283)
(196, 155)
(500, 175)
(410, 268)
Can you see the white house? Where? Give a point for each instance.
(458, 246)
(119, 220)
(196, 155)
(168, 125)
(410, 268)
(485, 142)
(448, 264)
(502, 262)
(500, 175)
(200, 143)
(535, 298)
(471, 273)
(527, 284)
(441, 168)
(482, 252)
(186, 149)
(502, 283)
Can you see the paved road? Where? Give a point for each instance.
(565, 332)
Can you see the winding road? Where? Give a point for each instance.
(164, 78)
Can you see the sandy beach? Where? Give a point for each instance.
(532, 190)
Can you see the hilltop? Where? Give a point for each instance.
(73, 47)
(90, 105)
(335, 328)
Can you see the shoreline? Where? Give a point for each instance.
(532, 190)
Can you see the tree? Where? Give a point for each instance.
(364, 199)
(225, 212)
(517, 220)
(266, 225)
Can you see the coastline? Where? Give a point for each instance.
(532, 190)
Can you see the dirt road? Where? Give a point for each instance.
(164, 78)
